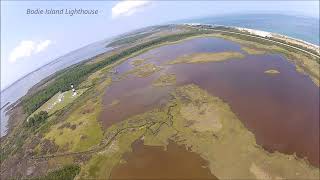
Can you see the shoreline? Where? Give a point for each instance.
(262, 34)
(85, 108)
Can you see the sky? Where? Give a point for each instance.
(29, 41)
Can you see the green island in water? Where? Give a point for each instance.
(197, 102)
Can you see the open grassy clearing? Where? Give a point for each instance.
(207, 57)
(53, 104)
(82, 125)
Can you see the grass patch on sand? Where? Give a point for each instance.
(272, 71)
(207, 57)
(53, 104)
(165, 80)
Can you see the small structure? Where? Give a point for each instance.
(60, 97)
(73, 90)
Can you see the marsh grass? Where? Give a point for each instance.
(165, 80)
(230, 149)
(144, 70)
(207, 57)
(253, 51)
(138, 62)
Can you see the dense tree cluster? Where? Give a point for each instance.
(37, 119)
(67, 172)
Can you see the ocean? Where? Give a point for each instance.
(300, 27)
(304, 28)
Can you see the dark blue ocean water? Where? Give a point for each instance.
(300, 27)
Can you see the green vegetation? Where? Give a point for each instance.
(305, 63)
(165, 80)
(205, 125)
(253, 51)
(101, 164)
(53, 104)
(138, 62)
(68, 172)
(37, 119)
(207, 57)
(272, 71)
(144, 70)
(82, 125)
(192, 118)
(76, 75)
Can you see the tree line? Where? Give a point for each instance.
(78, 74)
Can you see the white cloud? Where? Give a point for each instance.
(128, 7)
(42, 46)
(27, 48)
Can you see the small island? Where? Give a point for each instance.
(272, 71)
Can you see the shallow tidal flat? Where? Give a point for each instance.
(277, 116)
(194, 133)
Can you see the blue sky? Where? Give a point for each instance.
(30, 41)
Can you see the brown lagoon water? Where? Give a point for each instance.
(281, 110)
(153, 162)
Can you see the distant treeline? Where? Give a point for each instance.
(129, 40)
(78, 74)
(67, 172)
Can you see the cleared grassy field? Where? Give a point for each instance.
(81, 125)
(53, 104)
